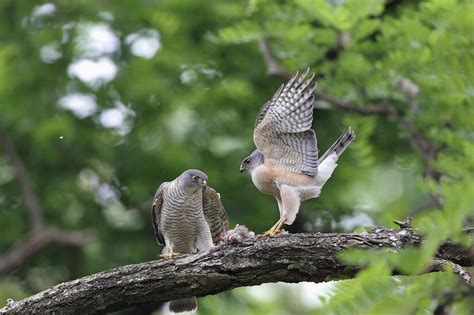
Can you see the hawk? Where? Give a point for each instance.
(285, 163)
(187, 216)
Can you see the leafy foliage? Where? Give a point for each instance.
(169, 85)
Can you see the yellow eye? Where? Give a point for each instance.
(195, 178)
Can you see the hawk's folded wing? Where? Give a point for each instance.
(156, 213)
(214, 213)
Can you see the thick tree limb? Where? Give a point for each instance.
(287, 258)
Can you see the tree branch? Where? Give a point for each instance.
(442, 265)
(273, 67)
(287, 258)
(418, 141)
(32, 202)
(36, 242)
(366, 110)
(41, 235)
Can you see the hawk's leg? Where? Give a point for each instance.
(288, 204)
(276, 228)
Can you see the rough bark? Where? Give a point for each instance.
(287, 258)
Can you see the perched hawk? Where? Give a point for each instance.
(285, 163)
(187, 216)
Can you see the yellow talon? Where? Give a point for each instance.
(170, 255)
(275, 229)
(271, 232)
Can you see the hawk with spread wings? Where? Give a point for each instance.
(285, 163)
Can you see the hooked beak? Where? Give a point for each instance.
(204, 183)
(241, 168)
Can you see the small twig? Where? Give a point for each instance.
(273, 67)
(424, 147)
(366, 110)
(442, 265)
(404, 224)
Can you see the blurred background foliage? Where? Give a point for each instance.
(104, 100)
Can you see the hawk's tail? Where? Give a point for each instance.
(340, 145)
(183, 305)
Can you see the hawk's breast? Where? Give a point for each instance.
(263, 178)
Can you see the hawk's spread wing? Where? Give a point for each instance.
(156, 213)
(283, 127)
(214, 213)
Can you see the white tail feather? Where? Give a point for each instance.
(325, 169)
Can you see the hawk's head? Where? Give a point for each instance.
(193, 179)
(252, 161)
